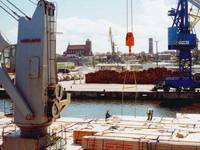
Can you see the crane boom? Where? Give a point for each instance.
(112, 41)
(14, 94)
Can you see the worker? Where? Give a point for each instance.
(108, 115)
(150, 114)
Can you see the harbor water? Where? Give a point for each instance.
(97, 108)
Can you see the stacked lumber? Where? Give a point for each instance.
(106, 143)
(129, 133)
(87, 130)
(79, 134)
(113, 143)
(150, 76)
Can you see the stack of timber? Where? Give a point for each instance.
(87, 130)
(120, 133)
(129, 133)
(150, 76)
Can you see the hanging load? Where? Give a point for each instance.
(130, 41)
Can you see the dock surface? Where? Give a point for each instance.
(136, 133)
(69, 86)
(129, 91)
(81, 90)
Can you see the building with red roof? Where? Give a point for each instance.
(79, 50)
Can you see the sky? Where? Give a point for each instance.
(79, 20)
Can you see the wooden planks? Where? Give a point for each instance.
(128, 133)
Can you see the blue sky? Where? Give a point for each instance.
(82, 19)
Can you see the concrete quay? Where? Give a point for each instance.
(81, 90)
(117, 91)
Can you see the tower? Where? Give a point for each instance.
(150, 45)
(88, 47)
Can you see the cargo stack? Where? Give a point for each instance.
(122, 133)
(150, 76)
(129, 133)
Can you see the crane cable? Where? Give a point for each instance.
(32, 2)
(123, 90)
(129, 35)
(18, 9)
(131, 16)
(13, 14)
(131, 44)
(127, 15)
(8, 13)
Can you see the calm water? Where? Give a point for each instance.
(97, 108)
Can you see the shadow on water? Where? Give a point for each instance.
(183, 106)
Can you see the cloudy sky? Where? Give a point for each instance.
(82, 19)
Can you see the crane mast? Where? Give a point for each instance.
(38, 98)
(182, 39)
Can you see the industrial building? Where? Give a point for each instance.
(79, 50)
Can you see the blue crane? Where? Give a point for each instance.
(182, 39)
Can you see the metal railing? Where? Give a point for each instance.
(58, 138)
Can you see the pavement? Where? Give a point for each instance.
(83, 87)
